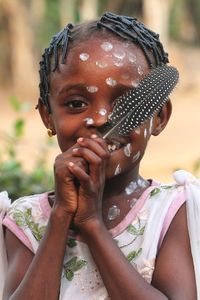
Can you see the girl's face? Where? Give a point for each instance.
(83, 92)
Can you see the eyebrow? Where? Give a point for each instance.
(68, 87)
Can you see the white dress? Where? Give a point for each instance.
(139, 236)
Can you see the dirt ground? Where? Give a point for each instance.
(177, 147)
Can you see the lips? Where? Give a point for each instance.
(115, 144)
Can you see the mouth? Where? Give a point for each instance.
(115, 144)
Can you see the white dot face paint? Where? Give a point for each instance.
(119, 54)
(113, 212)
(131, 187)
(118, 170)
(84, 56)
(89, 121)
(145, 133)
(107, 46)
(136, 156)
(111, 82)
(140, 71)
(92, 89)
(135, 83)
(132, 58)
(101, 64)
(118, 64)
(151, 126)
(128, 150)
(102, 111)
(137, 130)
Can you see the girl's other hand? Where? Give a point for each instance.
(94, 152)
(66, 185)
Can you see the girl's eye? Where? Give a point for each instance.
(76, 105)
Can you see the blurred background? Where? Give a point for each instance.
(26, 26)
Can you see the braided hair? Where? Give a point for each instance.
(123, 27)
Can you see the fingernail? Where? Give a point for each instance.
(75, 150)
(80, 139)
(71, 164)
(94, 136)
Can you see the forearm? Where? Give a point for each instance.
(42, 280)
(119, 276)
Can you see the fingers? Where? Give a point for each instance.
(95, 152)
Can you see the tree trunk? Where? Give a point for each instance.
(24, 75)
(156, 16)
(67, 12)
(89, 9)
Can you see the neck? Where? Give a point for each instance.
(117, 184)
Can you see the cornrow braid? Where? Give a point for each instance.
(126, 28)
(59, 41)
(131, 29)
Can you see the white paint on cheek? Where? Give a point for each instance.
(140, 71)
(135, 83)
(106, 46)
(89, 121)
(92, 89)
(101, 64)
(111, 82)
(118, 170)
(137, 130)
(151, 126)
(84, 56)
(102, 111)
(136, 156)
(145, 133)
(128, 150)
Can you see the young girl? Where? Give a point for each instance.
(104, 232)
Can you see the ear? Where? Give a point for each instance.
(46, 116)
(161, 119)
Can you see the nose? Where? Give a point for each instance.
(98, 118)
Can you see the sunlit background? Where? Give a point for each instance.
(26, 27)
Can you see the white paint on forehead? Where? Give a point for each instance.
(111, 82)
(132, 58)
(119, 54)
(136, 156)
(107, 46)
(92, 89)
(89, 121)
(140, 71)
(101, 64)
(118, 170)
(84, 56)
(125, 76)
(128, 150)
(102, 111)
(119, 63)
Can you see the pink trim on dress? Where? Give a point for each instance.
(17, 231)
(173, 209)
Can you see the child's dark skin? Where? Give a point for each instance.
(85, 159)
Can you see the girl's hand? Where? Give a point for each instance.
(66, 185)
(94, 152)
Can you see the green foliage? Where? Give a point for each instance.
(13, 177)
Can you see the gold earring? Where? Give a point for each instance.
(50, 132)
